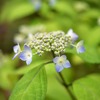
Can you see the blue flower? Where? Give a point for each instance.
(26, 55)
(61, 63)
(73, 35)
(17, 50)
(79, 47)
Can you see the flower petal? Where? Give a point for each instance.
(28, 61)
(64, 57)
(59, 68)
(26, 48)
(73, 35)
(79, 47)
(67, 64)
(23, 56)
(55, 59)
(16, 48)
(15, 56)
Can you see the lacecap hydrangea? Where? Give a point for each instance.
(55, 42)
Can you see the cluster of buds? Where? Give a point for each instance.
(55, 42)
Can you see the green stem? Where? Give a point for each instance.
(65, 84)
(67, 87)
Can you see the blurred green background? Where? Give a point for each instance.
(20, 17)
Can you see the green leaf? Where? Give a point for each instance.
(32, 86)
(55, 91)
(87, 88)
(94, 38)
(6, 68)
(64, 8)
(20, 11)
(14, 10)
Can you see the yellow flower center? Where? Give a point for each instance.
(60, 60)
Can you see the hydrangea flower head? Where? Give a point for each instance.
(26, 55)
(79, 47)
(73, 35)
(17, 50)
(61, 63)
(56, 42)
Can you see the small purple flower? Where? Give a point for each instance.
(17, 50)
(61, 63)
(26, 55)
(73, 35)
(79, 47)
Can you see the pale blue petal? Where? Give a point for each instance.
(80, 49)
(16, 48)
(59, 68)
(73, 35)
(28, 61)
(67, 64)
(15, 56)
(55, 59)
(64, 57)
(26, 48)
(23, 56)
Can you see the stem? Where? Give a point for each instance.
(67, 87)
(65, 84)
(73, 45)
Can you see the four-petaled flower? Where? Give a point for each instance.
(26, 55)
(73, 35)
(79, 47)
(17, 50)
(61, 63)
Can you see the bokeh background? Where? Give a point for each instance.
(18, 18)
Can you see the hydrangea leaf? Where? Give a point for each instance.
(87, 88)
(94, 38)
(20, 11)
(32, 86)
(60, 7)
(56, 91)
(6, 68)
